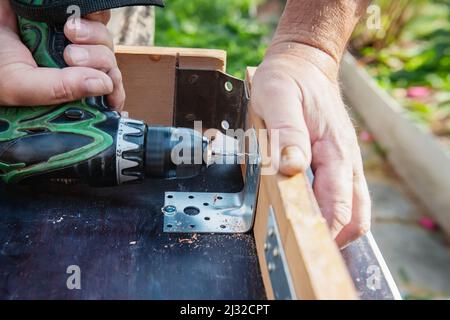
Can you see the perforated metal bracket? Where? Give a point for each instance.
(280, 276)
(209, 212)
(211, 97)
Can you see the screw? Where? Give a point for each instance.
(169, 210)
(271, 266)
(275, 252)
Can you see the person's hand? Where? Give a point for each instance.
(296, 91)
(92, 67)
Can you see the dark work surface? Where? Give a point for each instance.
(115, 236)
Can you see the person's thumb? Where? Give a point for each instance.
(279, 102)
(48, 86)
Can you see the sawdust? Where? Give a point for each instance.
(191, 240)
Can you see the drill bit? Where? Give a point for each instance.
(230, 154)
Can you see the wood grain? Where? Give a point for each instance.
(149, 77)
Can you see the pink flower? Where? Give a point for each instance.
(366, 136)
(418, 92)
(428, 223)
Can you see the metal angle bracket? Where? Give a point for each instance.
(210, 96)
(209, 212)
(280, 277)
(220, 101)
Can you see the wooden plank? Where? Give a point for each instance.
(315, 263)
(149, 77)
(415, 154)
(260, 231)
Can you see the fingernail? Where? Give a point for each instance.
(79, 27)
(291, 161)
(78, 54)
(95, 86)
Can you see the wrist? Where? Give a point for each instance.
(319, 29)
(305, 53)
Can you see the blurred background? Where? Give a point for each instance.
(408, 56)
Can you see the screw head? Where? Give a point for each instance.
(271, 266)
(169, 210)
(275, 252)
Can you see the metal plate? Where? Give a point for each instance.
(210, 216)
(280, 276)
(211, 97)
(207, 212)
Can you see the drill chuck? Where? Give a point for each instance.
(174, 153)
(157, 152)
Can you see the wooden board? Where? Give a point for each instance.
(317, 268)
(417, 156)
(149, 77)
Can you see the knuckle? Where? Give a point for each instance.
(343, 213)
(122, 92)
(333, 149)
(272, 83)
(344, 145)
(116, 75)
(119, 75)
(61, 91)
(106, 57)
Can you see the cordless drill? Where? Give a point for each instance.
(84, 141)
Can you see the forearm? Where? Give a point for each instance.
(323, 24)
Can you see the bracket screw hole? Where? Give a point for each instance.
(191, 211)
(191, 197)
(206, 204)
(223, 226)
(207, 218)
(229, 86)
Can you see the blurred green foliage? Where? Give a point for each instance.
(215, 24)
(418, 56)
